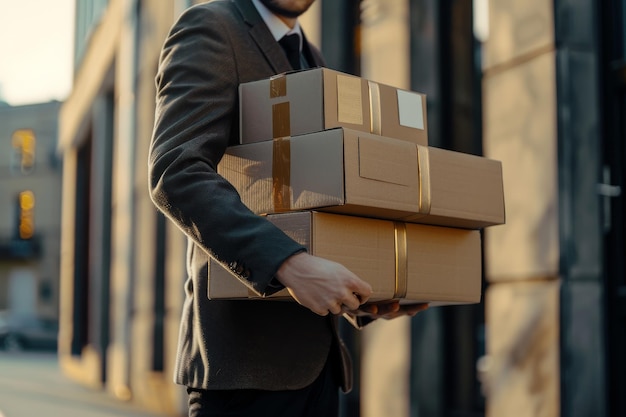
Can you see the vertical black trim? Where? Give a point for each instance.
(613, 70)
(80, 313)
(445, 61)
(462, 324)
(445, 64)
(341, 35)
(427, 383)
(426, 48)
(158, 341)
(583, 359)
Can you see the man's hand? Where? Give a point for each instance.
(321, 285)
(389, 310)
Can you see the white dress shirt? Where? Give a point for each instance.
(275, 25)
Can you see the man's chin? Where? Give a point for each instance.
(278, 8)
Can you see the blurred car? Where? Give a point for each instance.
(24, 332)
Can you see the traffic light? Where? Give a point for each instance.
(24, 144)
(27, 218)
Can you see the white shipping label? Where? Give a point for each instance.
(410, 109)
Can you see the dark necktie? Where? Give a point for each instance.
(291, 45)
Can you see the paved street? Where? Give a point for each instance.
(32, 385)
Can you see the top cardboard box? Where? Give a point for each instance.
(318, 99)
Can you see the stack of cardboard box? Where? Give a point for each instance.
(343, 166)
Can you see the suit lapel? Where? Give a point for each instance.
(263, 37)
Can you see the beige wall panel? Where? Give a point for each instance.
(385, 42)
(151, 390)
(118, 370)
(142, 378)
(521, 371)
(385, 368)
(517, 28)
(123, 237)
(520, 131)
(66, 260)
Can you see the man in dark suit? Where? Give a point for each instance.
(243, 357)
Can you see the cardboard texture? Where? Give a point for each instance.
(318, 99)
(352, 172)
(460, 190)
(410, 262)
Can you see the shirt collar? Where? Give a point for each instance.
(277, 27)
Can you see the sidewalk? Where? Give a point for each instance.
(31, 384)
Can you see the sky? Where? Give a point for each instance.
(36, 50)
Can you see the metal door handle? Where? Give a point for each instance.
(607, 191)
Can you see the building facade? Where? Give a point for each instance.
(536, 84)
(30, 209)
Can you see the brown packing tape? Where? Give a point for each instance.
(281, 174)
(375, 108)
(401, 260)
(281, 120)
(281, 117)
(278, 86)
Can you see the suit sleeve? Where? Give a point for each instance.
(196, 107)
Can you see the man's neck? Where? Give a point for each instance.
(275, 22)
(289, 21)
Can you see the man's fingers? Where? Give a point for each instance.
(349, 303)
(336, 308)
(391, 309)
(316, 307)
(322, 313)
(352, 302)
(363, 291)
(413, 309)
(358, 297)
(387, 308)
(369, 308)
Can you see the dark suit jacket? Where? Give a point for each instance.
(273, 345)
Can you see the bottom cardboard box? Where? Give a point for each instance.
(405, 261)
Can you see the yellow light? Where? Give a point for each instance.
(26, 142)
(23, 137)
(27, 200)
(26, 230)
(27, 222)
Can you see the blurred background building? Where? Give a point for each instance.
(536, 84)
(30, 210)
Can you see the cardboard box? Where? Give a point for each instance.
(318, 99)
(410, 262)
(459, 190)
(352, 172)
(340, 169)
